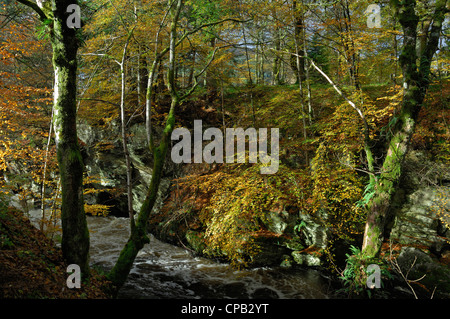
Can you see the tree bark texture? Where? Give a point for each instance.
(75, 237)
(65, 44)
(416, 73)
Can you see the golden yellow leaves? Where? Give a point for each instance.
(233, 202)
(97, 209)
(384, 107)
(89, 183)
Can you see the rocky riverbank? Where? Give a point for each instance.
(290, 237)
(419, 230)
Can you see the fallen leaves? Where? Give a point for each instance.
(33, 267)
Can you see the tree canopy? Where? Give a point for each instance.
(346, 82)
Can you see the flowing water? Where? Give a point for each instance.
(164, 271)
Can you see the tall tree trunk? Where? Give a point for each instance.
(416, 72)
(250, 79)
(138, 236)
(306, 67)
(394, 55)
(44, 173)
(142, 77)
(276, 67)
(342, 11)
(124, 130)
(192, 69)
(75, 234)
(210, 79)
(298, 66)
(300, 56)
(258, 62)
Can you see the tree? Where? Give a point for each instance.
(138, 236)
(65, 44)
(124, 125)
(299, 29)
(343, 15)
(415, 65)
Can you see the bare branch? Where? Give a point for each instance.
(397, 267)
(367, 148)
(35, 7)
(200, 74)
(99, 100)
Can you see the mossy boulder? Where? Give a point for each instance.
(310, 257)
(421, 220)
(105, 161)
(421, 208)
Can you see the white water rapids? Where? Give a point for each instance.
(165, 271)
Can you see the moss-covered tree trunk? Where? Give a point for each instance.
(75, 234)
(416, 72)
(138, 236)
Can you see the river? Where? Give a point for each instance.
(164, 271)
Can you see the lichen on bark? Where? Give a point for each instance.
(416, 80)
(75, 238)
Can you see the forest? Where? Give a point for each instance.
(129, 110)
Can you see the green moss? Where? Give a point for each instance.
(74, 156)
(118, 275)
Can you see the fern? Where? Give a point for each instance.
(298, 227)
(369, 191)
(42, 29)
(355, 274)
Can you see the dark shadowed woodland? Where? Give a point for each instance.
(93, 92)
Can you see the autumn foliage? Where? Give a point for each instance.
(268, 68)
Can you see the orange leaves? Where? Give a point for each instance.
(24, 110)
(18, 40)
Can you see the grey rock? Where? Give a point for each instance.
(108, 164)
(306, 259)
(415, 264)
